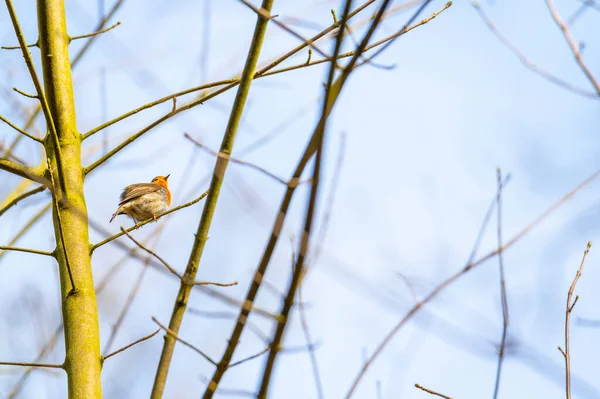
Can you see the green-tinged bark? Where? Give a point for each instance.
(211, 201)
(80, 312)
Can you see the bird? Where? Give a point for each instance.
(143, 201)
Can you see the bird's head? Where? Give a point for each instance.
(161, 181)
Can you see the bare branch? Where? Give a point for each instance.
(265, 14)
(208, 211)
(131, 344)
(504, 299)
(574, 47)
(23, 132)
(23, 171)
(95, 33)
(525, 61)
(24, 364)
(28, 250)
(172, 334)
(139, 244)
(469, 266)
(229, 82)
(38, 87)
(292, 183)
(21, 198)
(566, 352)
(431, 391)
(25, 94)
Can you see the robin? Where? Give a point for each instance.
(143, 201)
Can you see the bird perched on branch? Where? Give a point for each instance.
(143, 201)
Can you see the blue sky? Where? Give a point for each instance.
(422, 142)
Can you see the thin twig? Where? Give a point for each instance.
(293, 182)
(311, 350)
(265, 14)
(34, 219)
(131, 344)
(574, 47)
(566, 352)
(25, 94)
(21, 198)
(55, 201)
(262, 352)
(114, 237)
(139, 244)
(31, 251)
(201, 282)
(525, 61)
(172, 334)
(53, 366)
(231, 83)
(23, 132)
(503, 296)
(468, 267)
(95, 33)
(431, 391)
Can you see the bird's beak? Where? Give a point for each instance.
(167, 176)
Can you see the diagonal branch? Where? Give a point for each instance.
(23, 171)
(99, 32)
(468, 267)
(38, 87)
(21, 198)
(431, 391)
(211, 202)
(574, 47)
(131, 344)
(526, 62)
(231, 83)
(292, 183)
(172, 334)
(23, 132)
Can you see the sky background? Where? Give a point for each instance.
(420, 144)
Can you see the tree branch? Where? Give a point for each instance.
(431, 391)
(526, 62)
(574, 47)
(566, 352)
(38, 87)
(503, 296)
(28, 250)
(213, 195)
(23, 171)
(21, 198)
(99, 32)
(23, 132)
(131, 344)
(468, 267)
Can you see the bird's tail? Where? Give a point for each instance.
(118, 212)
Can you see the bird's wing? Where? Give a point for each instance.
(137, 190)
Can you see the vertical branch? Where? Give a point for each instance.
(566, 352)
(299, 268)
(79, 308)
(503, 296)
(211, 201)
